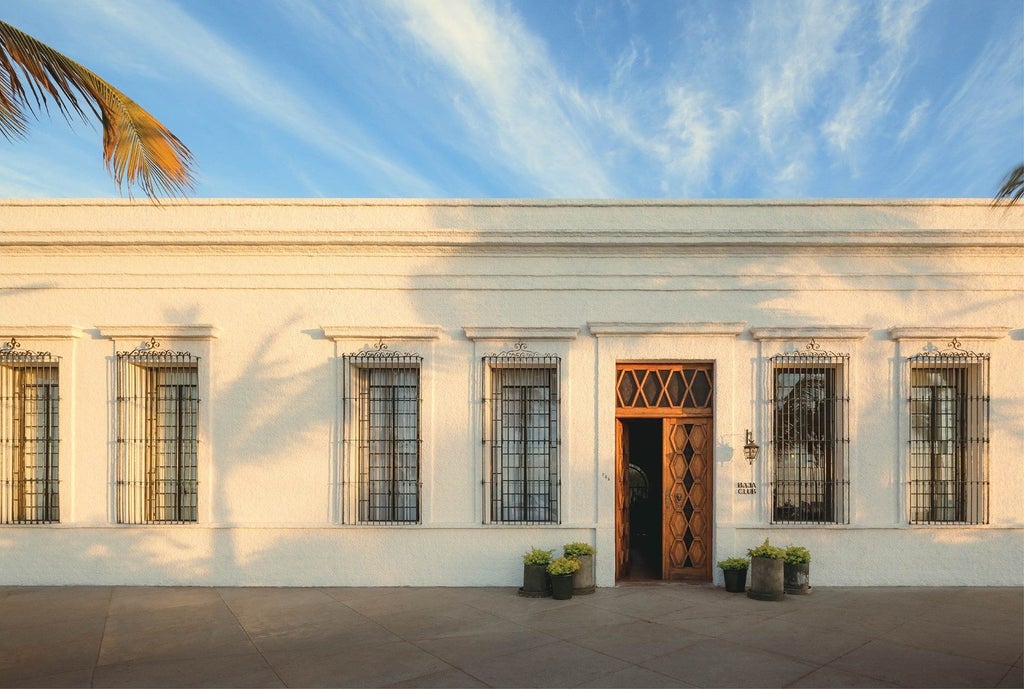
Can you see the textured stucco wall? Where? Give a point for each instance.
(270, 293)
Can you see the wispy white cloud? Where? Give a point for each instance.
(511, 97)
(694, 133)
(913, 121)
(868, 102)
(624, 64)
(247, 81)
(989, 99)
(796, 49)
(898, 21)
(990, 94)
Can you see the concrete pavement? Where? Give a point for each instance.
(636, 635)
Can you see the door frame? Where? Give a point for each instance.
(696, 407)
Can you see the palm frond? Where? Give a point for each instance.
(137, 148)
(1013, 187)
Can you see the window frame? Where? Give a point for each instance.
(497, 450)
(356, 490)
(966, 456)
(17, 365)
(140, 469)
(832, 435)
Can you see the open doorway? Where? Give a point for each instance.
(645, 497)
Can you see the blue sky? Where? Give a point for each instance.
(546, 98)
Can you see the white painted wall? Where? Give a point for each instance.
(280, 289)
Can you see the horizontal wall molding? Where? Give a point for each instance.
(524, 333)
(839, 332)
(625, 329)
(946, 332)
(564, 227)
(41, 332)
(361, 332)
(169, 332)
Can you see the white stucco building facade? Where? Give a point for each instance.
(280, 392)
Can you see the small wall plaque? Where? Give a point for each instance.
(746, 488)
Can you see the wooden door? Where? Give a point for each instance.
(622, 561)
(687, 515)
(681, 395)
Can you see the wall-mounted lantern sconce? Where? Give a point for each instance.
(751, 449)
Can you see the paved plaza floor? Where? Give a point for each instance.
(642, 635)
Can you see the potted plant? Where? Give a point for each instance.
(561, 570)
(583, 581)
(536, 583)
(796, 570)
(735, 571)
(766, 572)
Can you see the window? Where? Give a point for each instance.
(157, 436)
(28, 436)
(521, 437)
(810, 437)
(382, 436)
(949, 438)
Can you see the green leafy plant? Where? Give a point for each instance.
(797, 555)
(537, 556)
(734, 563)
(578, 549)
(561, 566)
(767, 550)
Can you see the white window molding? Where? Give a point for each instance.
(537, 350)
(944, 423)
(195, 342)
(524, 333)
(626, 329)
(375, 333)
(120, 333)
(829, 348)
(56, 345)
(40, 332)
(946, 333)
(393, 352)
(838, 332)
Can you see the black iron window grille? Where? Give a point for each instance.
(808, 411)
(157, 436)
(382, 439)
(949, 431)
(29, 404)
(521, 437)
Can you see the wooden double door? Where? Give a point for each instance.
(664, 470)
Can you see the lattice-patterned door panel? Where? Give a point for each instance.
(622, 495)
(686, 534)
(653, 389)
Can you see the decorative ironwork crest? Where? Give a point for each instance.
(953, 348)
(380, 352)
(152, 349)
(518, 351)
(812, 349)
(12, 350)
